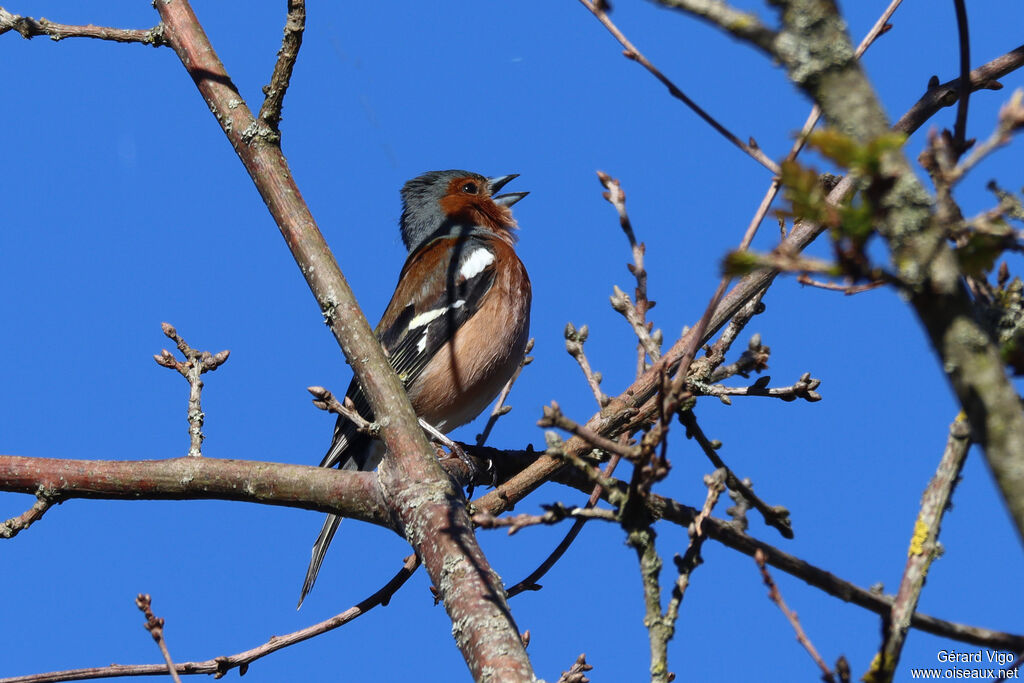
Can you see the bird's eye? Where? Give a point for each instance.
(470, 188)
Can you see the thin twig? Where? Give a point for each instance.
(553, 417)
(554, 514)
(649, 345)
(849, 289)
(754, 359)
(924, 548)
(635, 317)
(15, 525)
(1011, 120)
(219, 666)
(576, 673)
(325, 400)
(881, 26)
(30, 28)
(196, 364)
(776, 597)
(691, 559)
(632, 53)
(530, 582)
(500, 408)
(803, 388)
(574, 340)
(294, 26)
(155, 626)
(774, 516)
(964, 44)
(940, 95)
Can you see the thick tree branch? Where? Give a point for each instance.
(352, 494)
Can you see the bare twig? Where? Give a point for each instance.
(691, 559)
(325, 400)
(924, 548)
(634, 315)
(574, 340)
(775, 516)
(219, 666)
(554, 514)
(940, 95)
(15, 525)
(576, 674)
(754, 359)
(295, 25)
(848, 289)
(1011, 119)
(195, 365)
(155, 626)
(803, 388)
(776, 597)
(30, 28)
(631, 52)
(649, 345)
(500, 408)
(964, 43)
(530, 582)
(553, 417)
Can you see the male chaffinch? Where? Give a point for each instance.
(457, 325)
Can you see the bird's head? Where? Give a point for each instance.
(439, 198)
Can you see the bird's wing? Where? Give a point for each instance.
(441, 286)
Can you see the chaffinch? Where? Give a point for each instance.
(457, 325)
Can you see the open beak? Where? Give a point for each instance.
(508, 199)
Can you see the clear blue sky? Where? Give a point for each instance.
(125, 206)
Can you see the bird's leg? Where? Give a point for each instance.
(456, 450)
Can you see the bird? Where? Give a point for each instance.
(458, 322)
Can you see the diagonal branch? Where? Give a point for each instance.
(631, 52)
(219, 666)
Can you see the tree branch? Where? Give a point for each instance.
(751, 148)
(219, 666)
(30, 28)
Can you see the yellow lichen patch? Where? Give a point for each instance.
(917, 541)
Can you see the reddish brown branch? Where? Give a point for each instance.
(351, 494)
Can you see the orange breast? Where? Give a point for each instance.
(469, 371)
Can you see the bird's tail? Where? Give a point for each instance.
(351, 451)
(319, 550)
